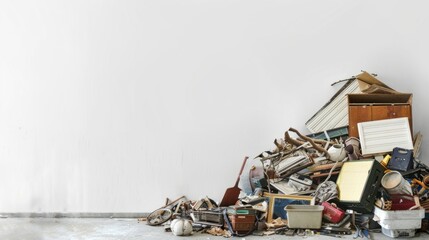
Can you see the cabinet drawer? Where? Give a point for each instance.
(365, 113)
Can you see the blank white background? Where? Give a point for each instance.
(112, 106)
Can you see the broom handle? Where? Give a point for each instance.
(241, 170)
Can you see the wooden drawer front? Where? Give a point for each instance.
(387, 112)
(358, 114)
(366, 113)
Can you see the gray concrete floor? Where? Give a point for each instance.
(111, 228)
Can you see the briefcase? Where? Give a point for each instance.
(358, 183)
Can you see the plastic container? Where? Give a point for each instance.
(400, 219)
(337, 152)
(394, 233)
(304, 216)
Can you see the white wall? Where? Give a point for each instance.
(112, 106)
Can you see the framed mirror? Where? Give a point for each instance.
(278, 202)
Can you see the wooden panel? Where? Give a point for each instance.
(380, 99)
(358, 114)
(392, 111)
(366, 113)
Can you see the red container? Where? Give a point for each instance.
(402, 201)
(332, 213)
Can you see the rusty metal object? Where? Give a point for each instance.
(231, 194)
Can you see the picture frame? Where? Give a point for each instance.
(278, 202)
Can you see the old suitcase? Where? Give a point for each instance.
(358, 183)
(370, 107)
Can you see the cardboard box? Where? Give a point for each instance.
(368, 83)
(371, 107)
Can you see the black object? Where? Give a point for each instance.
(402, 160)
(263, 183)
(256, 200)
(336, 230)
(383, 194)
(412, 171)
(345, 220)
(366, 185)
(366, 221)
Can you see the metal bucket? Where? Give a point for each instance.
(394, 183)
(353, 150)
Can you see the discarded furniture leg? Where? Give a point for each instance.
(292, 141)
(315, 146)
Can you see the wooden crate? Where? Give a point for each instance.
(371, 107)
(242, 223)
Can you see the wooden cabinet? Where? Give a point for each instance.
(371, 107)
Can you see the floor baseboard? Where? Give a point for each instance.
(73, 215)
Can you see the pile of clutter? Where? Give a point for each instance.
(357, 172)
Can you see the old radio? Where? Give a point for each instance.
(402, 160)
